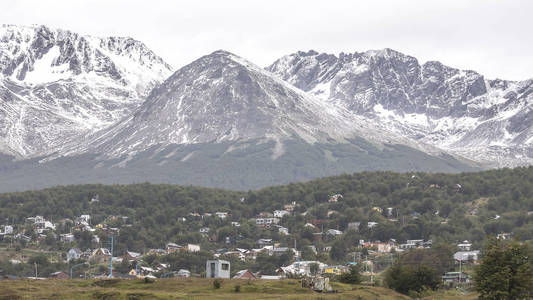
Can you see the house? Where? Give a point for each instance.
(503, 236)
(283, 230)
(235, 224)
(204, 230)
(335, 270)
(245, 274)
(265, 214)
(334, 232)
(173, 247)
(377, 209)
(129, 256)
(157, 251)
(73, 254)
(290, 207)
(372, 224)
(464, 246)
(183, 273)
(100, 255)
(192, 248)
(222, 215)
(59, 275)
(354, 226)
(281, 213)
(67, 238)
(465, 256)
(455, 277)
(334, 198)
(262, 242)
(133, 272)
(83, 218)
(301, 268)
(271, 277)
(8, 229)
(266, 221)
(332, 212)
(217, 268)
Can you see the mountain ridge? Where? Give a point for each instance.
(422, 101)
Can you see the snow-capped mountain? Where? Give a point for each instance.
(222, 97)
(456, 110)
(222, 121)
(57, 85)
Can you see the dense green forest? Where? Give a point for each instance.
(443, 207)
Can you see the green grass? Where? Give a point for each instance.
(184, 288)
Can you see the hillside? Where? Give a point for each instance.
(423, 206)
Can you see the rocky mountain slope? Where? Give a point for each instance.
(222, 121)
(222, 97)
(456, 110)
(57, 85)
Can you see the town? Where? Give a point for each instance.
(86, 248)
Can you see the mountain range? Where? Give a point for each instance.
(83, 109)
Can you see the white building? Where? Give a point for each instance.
(221, 215)
(8, 229)
(466, 255)
(217, 268)
(266, 221)
(281, 213)
(465, 246)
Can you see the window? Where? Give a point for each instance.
(225, 267)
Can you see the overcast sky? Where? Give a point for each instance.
(493, 37)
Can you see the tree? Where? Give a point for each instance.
(505, 271)
(407, 279)
(352, 277)
(338, 250)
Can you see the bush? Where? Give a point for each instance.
(217, 283)
(411, 279)
(237, 289)
(352, 277)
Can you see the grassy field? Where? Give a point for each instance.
(190, 288)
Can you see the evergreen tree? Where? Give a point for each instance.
(505, 272)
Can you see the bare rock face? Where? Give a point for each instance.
(57, 85)
(457, 110)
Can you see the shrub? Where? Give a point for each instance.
(237, 289)
(352, 277)
(217, 283)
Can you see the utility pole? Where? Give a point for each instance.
(111, 261)
(460, 270)
(35, 269)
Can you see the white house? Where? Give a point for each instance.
(221, 215)
(192, 248)
(334, 232)
(283, 230)
(67, 238)
(372, 224)
(183, 273)
(74, 253)
(281, 213)
(217, 268)
(465, 246)
(266, 221)
(8, 229)
(466, 255)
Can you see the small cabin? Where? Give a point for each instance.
(217, 268)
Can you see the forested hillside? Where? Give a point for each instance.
(424, 206)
